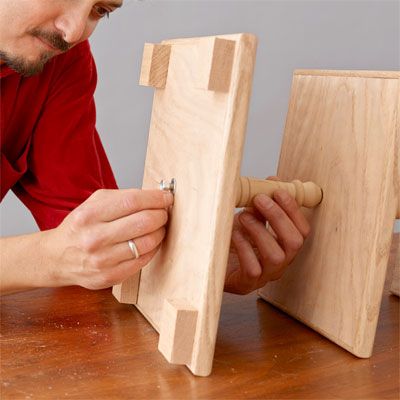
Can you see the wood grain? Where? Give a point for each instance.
(155, 63)
(341, 133)
(177, 330)
(127, 291)
(218, 63)
(196, 136)
(73, 343)
(307, 194)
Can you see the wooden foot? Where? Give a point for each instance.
(177, 331)
(155, 65)
(215, 60)
(127, 291)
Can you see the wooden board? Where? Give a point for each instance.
(342, 133)
(196, 136)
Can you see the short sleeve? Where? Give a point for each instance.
(66, 161)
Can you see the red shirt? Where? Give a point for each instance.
(51, 154)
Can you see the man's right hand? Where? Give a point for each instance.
(90, 247)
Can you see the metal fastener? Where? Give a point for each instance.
(168, 185)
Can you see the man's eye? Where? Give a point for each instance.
(101, 12)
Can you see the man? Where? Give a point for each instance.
(93, 234)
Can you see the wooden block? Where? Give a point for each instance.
(127, 291)
(342, 133)
(177, 331)
(196, 136)
(215, 60)
(155, 64)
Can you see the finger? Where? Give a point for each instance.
(270, 251)
(126, 269)
(254, 211)
(133, 226)
(108, 205)
(287, 234)
(249, 264)
(289, 205)
(238, 226)
(144, 244)
(108, 257)
(244, 277)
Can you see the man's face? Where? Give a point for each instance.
(33, 31)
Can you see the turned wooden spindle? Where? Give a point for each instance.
(307, 194)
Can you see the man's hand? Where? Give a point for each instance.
(93, 239)
(90, 247)
(258, 254)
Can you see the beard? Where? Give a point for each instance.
(28, 68)
(24, 67)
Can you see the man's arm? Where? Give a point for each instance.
(25, 263)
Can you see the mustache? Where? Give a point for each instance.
(55, 39)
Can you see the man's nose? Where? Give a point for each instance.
(72, 25)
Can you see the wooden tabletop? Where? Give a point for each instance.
(80, 344)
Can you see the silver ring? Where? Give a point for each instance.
(133, 248)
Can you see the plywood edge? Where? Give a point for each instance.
(350, 73)
(375, 279)
(335, 339)
(290, 111)
(147, 317)
(191, 40)
(396, 175)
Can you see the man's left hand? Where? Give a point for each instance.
(259, 255)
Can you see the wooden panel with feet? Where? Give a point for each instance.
(196, 136)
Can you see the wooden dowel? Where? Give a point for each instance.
(307, 194)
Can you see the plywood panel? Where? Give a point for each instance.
(341, 133)
(196, 136)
